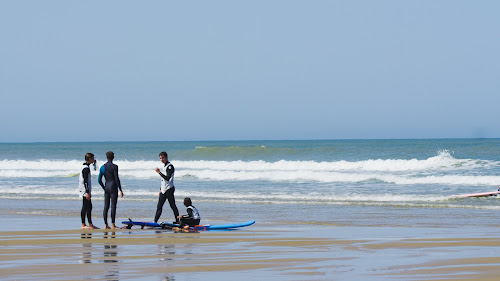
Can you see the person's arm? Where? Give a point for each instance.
(170, 171)
(85, 173)
(101, 173)
(190, 213)
(117, 179)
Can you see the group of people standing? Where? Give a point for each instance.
(112, 185)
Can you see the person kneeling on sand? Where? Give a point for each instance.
(192, 218)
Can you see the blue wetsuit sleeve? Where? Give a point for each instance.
(117, 179)
(101, 173)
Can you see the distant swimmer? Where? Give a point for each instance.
(167, 188)
(85, 187)
(110, 173)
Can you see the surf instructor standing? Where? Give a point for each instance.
(167, 188)
(110, 173)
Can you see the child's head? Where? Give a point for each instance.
(187, 202)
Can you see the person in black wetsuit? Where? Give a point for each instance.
(85, 187)
(193, 216)
(110, 173)
(167, 188)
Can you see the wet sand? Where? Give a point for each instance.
(278, 252)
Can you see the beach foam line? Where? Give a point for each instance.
(440, 169)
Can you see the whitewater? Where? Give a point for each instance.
(379, 173)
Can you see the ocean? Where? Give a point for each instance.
(316, 182)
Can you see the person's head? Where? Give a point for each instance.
(89, 158)
(163, 157)
(110, 155)
(187, 202)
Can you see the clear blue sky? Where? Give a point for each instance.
(225, 70)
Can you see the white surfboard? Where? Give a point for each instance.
(481, 194)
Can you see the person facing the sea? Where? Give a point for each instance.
(85, 187)
(167, 188)
(193, 216)
(110, 173)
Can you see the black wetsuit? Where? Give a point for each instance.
(192, 218)
(87, 204)
(110, 173)
(167, 194)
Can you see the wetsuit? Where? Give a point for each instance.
(192, 218)
(167, 190)
(85, 186)
(110, 173)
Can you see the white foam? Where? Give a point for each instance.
(440, 169)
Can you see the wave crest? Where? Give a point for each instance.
(440, 169)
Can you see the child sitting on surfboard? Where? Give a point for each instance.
(192, 218)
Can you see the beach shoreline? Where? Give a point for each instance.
(342, 210)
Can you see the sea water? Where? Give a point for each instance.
(323, 182)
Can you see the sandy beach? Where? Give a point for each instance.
(264, 251)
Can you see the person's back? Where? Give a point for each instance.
(110, 173)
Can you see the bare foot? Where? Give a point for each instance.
(107, 227)
(93, 226)
(86, 227)
(113, 226)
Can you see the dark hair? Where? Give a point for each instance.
(88, 156)
(110, 155)
(187, 202)
(164, 154)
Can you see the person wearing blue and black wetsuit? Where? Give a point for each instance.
(167, 188)
(110, 173)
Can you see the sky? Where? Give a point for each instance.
(75, 71)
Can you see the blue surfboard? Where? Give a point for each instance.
(142, 224)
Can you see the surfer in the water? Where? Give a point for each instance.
(110, 173)
(85, 187)
(167, 188)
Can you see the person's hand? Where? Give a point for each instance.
(159, 193)
(121, 194)
(87, 196)
(157, 170)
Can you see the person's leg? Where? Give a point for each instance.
(83, 212)
(89, 214)
(107, 198)
(114, 200)
(159, 207)
(188, 222)
(171, 201)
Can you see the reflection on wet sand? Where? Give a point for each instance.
(86, 256)
(59, 255)
(111, 257)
